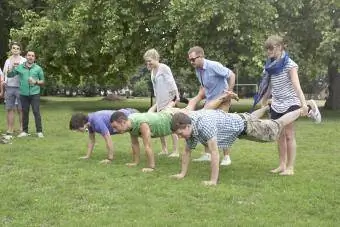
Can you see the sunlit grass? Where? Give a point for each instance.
(44, 184)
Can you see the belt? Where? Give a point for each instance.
(244, 132)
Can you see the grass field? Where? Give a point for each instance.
(43, 183)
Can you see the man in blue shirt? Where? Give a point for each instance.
(215, 79)
(97, 122)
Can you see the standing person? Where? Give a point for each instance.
(12, 94)
(216, 129)
(215, 79)
(281, 82)
(166, 92)
(97, 122)
(1, 83)
(31, 77)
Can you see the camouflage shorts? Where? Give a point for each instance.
(261, 130)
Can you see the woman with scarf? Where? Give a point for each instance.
(280, 81)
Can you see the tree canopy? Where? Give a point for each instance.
(103, 41)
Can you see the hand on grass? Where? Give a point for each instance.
(131, 164)
(84, 157)
(146, 170)
(105, 161)
(177, 176)
(209, 183)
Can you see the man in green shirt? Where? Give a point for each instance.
(152, 125)
(145, 125)
(31, 77)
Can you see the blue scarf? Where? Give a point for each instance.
(271, 68)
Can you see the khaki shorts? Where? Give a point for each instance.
(261, 130)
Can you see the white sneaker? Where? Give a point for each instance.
(174, 155)
(226, 161)
(314, 113)
(23, 134)
(7, 137)
(203, 158)
(40, 135)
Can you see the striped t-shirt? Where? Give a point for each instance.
(283, 92)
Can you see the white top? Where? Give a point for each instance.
(164, 86)
(10, 62)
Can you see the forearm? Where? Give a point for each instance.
(193, 102)
(185, 161)
(231, 81)
(110, 150)
(90, 147)
(214, 166)
(150, 157)
(135, 153)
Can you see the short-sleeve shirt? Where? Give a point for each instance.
(208, 124)
(213, 77)
(100, 121)
(159, 123)
(283, 92)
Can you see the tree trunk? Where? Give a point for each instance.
(333, 100)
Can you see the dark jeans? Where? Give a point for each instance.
(34, 101)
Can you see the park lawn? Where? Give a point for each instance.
(43, 183)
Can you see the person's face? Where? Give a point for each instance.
(151, 63)
(30, 57)
(15, 49)
(120, 127)
(184, 132)
(274, 51)
(83, 129)
(195, 60)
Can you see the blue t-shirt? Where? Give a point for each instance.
(100, 121)
(213, 77)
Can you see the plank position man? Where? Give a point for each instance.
(97, 122)
(217, 129)
(152, 125)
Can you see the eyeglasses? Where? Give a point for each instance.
(193, 59)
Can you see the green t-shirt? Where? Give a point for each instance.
(25, 73)
(159, 123)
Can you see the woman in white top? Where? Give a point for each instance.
(287, 95)
(165, 90)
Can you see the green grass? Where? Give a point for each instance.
(44, 184)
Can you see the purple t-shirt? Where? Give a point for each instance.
(100, 121)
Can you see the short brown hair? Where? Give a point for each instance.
(179, 121)
(197, 49)
(118, 116)
(78, 120)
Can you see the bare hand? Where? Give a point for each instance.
(304, 110)
(177, 176)
(131, 164)
(31, 80)
(146, 170)
(84, 157)
(105, 161)
(209, 183)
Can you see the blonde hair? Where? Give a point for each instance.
(274, 40)
(197, 49)
(152, 53)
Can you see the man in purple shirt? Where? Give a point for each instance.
(97, 122)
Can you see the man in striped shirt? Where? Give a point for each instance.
(216, 129)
